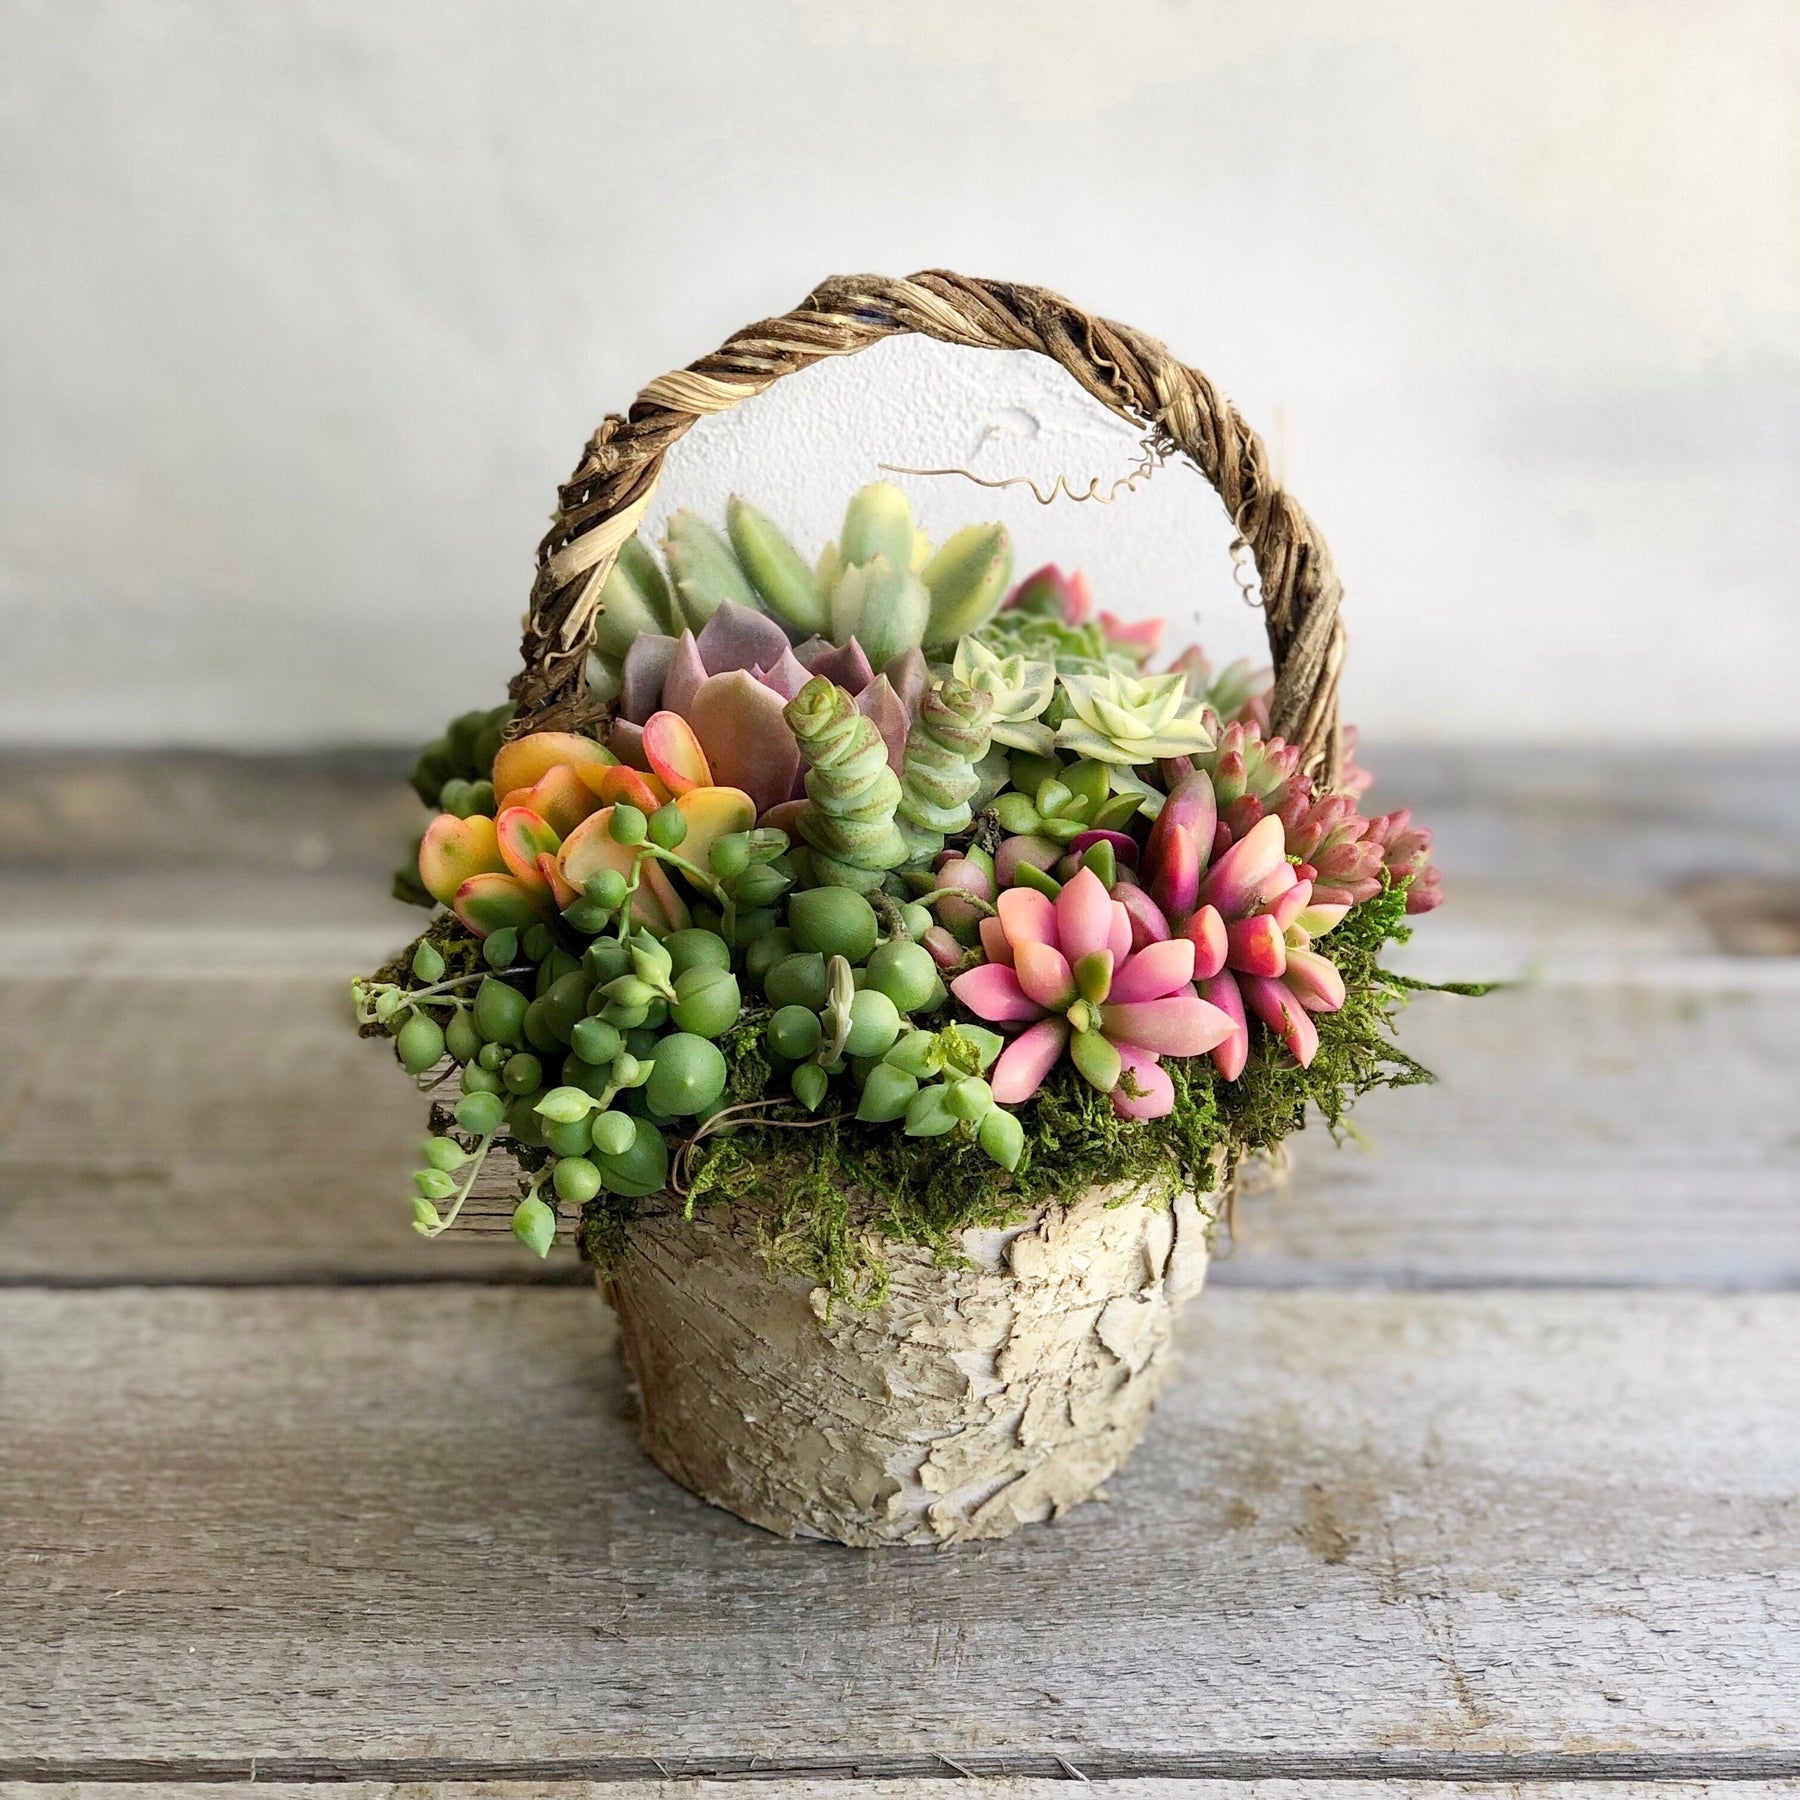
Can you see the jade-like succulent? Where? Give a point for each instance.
(852, 793)
(1019, 688)
(1124, 719)
(1059, 801)
(938, 777)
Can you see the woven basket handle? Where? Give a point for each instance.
(1131, 375)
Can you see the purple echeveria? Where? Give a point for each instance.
(731, 681)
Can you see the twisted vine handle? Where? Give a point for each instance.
(1130, 374)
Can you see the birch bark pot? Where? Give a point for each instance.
(973, 1400)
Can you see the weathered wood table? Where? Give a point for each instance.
(1483, 1470)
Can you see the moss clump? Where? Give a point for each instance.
(830, 1192)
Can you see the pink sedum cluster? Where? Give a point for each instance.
(1343, 852)
(1066, 970)
(1251, 917)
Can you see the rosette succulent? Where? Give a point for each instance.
(1047, 618)
(731, 683)
(1130, 721)
(1019, 692)
(1064, 969)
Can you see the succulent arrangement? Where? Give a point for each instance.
(925, 888)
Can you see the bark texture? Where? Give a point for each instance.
(972, 1401)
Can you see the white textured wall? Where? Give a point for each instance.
(304, 309)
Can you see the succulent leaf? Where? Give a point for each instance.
(591, 848)
(878, 702)
(643, 675)
(490, 902)
(634, 786)
(452, 850)
(1019, 689)
(675, 753)
(712, 813)
(776, 569)
(851, 792)
(559, 797)
(747, 741)
(705, 571)
(967, 580)
(938, 778)
(1131, 720)
(736, 637)
(523, 837)
(877, 522)
(883, 606)
(634, 598)
(524, 761)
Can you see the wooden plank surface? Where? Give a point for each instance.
(949, 1785)
(412, 1523)
(1064, 1777)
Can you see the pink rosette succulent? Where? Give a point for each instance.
(1065, 970)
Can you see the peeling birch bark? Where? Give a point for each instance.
(972, 1401)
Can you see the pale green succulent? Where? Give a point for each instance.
(1020, 689)
(939, 775)
(1131, 719)
(852, 793)
(885, 608)
(881, 582)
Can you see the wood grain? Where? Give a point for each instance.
(1470, 1541)
(898, 1782)
(412, 1523)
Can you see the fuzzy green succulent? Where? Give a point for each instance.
(881, 584)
